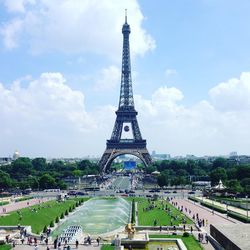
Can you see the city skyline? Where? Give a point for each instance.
(61, 66)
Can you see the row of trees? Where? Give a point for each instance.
(179, 172)
(38, 174)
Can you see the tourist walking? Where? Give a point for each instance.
(77, 243)
(98, 241)
(206, 238)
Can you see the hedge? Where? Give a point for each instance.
(239, 217)
(193, 199)
(214, 207)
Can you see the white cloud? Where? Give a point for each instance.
(109, 78)
(11, 33)
(233, 94)
(48, 118)
(78, 26)
(215, 126)
(18, 5)
(170, 72)
(46, 115)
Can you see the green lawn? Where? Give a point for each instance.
(106, 247)
(42, 216)
(5, 247)
(146, 218)
(190, 242)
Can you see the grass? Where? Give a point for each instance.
(146, 218)
(4, 203)
(41, 215)
(5, 247)
(190, 242)
(106, 247)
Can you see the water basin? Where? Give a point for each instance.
(98, 216)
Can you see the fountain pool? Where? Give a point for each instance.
(98, 216)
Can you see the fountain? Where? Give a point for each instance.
(98, 216)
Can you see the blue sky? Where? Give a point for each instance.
(60, 73)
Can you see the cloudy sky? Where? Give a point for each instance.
(60, 64)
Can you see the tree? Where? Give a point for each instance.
(21, 167)
(5, 180)
(150, 169)
(220, 163)
(39, 164)
(245, 183)
(217, 175)
(234, 185)
(47, 181)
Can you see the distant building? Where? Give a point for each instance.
(156, 156)
(201, 184)
(5, 160)
(233, 154)
(191, 157)
(16, 155)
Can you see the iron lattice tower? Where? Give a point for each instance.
(126, 114)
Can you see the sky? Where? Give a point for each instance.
(60, 68)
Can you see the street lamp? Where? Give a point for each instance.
(212, 206)
(247, 206)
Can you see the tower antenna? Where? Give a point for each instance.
(125, 15)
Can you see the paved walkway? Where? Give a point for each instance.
(21, 204)
(206, 214)
(43, 247)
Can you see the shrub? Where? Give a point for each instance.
(66, 213)
(45, 229)
(57, 219)
(185, 234)
(51, 224)
(133, 212)
(62, 216)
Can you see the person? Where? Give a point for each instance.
(77, 243)
(46, 241)
(191, 229)
(160, 228)
(47, 248)
(98, 241)
(206, 238)
(13, 244)
(36, 247)
(55, 243)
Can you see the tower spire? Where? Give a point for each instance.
(126, 93)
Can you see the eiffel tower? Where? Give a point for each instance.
(125, 117)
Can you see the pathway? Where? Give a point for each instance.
(43, 247)
(21, 204)
(204, 213)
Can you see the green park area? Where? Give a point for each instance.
(5, 247)
(190, 242)
(40, 216)
(160, 211)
